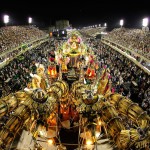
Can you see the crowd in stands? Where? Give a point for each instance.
(92, 31)
(13, 36)
(134, 39)
(127, 78)
(16, 74)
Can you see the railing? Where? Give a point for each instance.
(127, 49)
(116, 47)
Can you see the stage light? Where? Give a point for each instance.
(121, 22)
(145, 22)
(6, 19)
(29, 20)
(50, 141)
(89, 142)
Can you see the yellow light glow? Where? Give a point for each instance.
(50, 141)
(41, 133)
(99, 123)
(89, 142)
(97, 134)
(90, 74)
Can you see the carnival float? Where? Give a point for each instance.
(76, 97)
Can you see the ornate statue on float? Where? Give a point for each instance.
(74, 48)
(38, 79)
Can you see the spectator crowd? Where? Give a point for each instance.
(134, 39)
(13, 36)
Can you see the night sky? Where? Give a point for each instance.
(79, 13)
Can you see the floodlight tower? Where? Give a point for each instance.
(121, 22)
(145, 22)
(6, 19)
(145, 25)
(29, 20)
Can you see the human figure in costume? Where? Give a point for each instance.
(39, 79)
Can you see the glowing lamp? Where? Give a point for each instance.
(99, 122)
(145, 22)
(29, 20)
(121, 22)
(50, 141)
(97, 134)
(90, 73)
(52, 71)
(89, 142)
(6, 19)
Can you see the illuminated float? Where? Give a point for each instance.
(74, 48)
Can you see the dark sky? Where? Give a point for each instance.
(79, 13)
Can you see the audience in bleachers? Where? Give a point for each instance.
(134, 39)
(16, 75)
(13, 36)
(127, 78)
